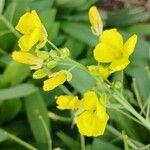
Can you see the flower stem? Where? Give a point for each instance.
(19, 141)
(9, 26)
(82, 142)
(53, 45)
(47, 132)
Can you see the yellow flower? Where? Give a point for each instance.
(67, 102)
(111, 49)
(99, 71)
(91, 117)
(95, 20)
(56, 79)
(33, 31)
(27, 58)
(92, 121)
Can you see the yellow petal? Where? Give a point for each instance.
(35, 19)
(67, 102)
(26, 58)
(119, 64)
(103, 53)
(25, 24)
(95, 20)
(89, 100)
(55, 80)
(90, 125)
(23, 43)
(129, 45)
(113, 39)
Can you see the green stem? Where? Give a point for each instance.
(126, 105)
(19, 141)
(47, 132)
(9, 26)
(56, 117)
(122, 81)
(50, 43)
(137, 93)
(82, 142)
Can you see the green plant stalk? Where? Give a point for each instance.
(137, 94)
(19, 141)
(127, 106)
(9, 26)
(82, 142)
(47, 133)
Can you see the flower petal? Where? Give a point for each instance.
(113, 39)
(89, 100)
(67, 102)
(103, 53)
(118, 65)
(90, 125)
(26, 58)
(55, 80)
(130, 45)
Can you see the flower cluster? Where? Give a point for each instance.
(111, 51)
(33, 39)
(90, 116)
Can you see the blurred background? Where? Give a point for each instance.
(22, 99)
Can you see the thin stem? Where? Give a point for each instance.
(56, 117)
(53, 45)
(9, 26)
(137, 93)
(65, 90)
(124, 102)
(125, 140)
(47, 132)
(122, 81)
(82, 142)
(19, 141)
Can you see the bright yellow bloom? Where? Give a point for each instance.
(27, 58)
(56, 79)
(111, 49)
(99, 71)
(95, 20)
(33, 31)
(68, 102)
(91, 117)
(92, 121)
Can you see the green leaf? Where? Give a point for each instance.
(68, 141)
(9, 109)
(2, 3)
(14, 77)
(35, 107)
(17, 91)
(103, 145)
(70, 4)
(75, 46)
(3, 136)
(41, 5)
(141, 29)
(127, 16)
(80, 32)
(136, 68)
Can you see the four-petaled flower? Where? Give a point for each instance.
(33, 31)
(91, 117)
(111, 49)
